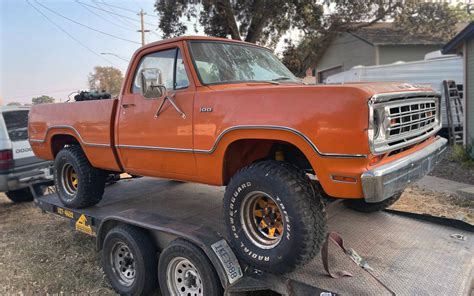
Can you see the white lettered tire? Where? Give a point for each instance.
(274, 219)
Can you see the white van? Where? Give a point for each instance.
(19, 167)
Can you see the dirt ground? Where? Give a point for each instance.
(40, 254)
(454, 170)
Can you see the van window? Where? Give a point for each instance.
(17, 124)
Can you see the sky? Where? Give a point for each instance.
(37, 58)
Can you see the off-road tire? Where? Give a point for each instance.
(91, 181)
(184, 249)
(144, 255)
(361, 205)
(302, 210)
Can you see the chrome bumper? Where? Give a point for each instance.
(385, 181)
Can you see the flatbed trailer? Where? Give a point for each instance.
(408, 254)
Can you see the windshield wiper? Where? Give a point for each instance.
(281, 78)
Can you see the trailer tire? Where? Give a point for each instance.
(130, 275)
(184, 269)
(78, 183)
(293, 214)
(361, 205)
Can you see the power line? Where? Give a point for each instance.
(85, 26)
(71, 36)
(114, 13)
(121, 19)
(126, 9)
(102, 18)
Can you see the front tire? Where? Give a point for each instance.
(129, 261)
(184, 269)
(275, 220)
(78, 183)
(361, 205)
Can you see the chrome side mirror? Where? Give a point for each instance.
(151, 85)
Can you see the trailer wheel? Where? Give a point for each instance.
(78, 184)
(361, 205)
(275, 220)
(129, 260)
(184, 269)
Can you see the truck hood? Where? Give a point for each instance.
(362, 90)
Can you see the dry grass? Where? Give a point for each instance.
(40, 254)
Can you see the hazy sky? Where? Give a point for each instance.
(38, 58)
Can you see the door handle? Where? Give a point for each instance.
(128, 105)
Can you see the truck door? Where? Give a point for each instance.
(153, 144)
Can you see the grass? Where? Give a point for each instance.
(463, 155)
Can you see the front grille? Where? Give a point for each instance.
(404, 120)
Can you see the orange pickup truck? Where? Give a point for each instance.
(224, 112)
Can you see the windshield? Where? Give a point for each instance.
(225, 62)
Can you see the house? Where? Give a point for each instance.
(378, 44)
(463, 44)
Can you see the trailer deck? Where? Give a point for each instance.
(410, 254)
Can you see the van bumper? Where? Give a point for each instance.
(387, 180)
(23, 177)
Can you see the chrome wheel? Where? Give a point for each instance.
(69, 179)
(262, 220)
(123, 264)
(183, 278)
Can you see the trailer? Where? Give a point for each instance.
(172, 233)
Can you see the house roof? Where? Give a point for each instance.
(457, 40)
(388, 34)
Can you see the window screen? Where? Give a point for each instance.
(17, 124)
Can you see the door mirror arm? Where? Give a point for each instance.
(170, 98)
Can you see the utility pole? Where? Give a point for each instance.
(142, 27)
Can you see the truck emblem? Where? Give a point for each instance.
(205, 109)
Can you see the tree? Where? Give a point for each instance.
(256, 21)
(434, 19)
(43, 100)
(106, 79)
(14, 104)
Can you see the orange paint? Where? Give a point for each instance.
(124, 134)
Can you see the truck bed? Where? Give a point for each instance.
(410, 254)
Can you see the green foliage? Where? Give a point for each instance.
(256, 21)
(14, 104)
(43, 100)
(107, 79)
(463, 154)
(434, 19)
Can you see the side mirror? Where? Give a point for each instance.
(151, 85)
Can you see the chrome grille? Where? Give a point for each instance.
(405, 119)
(398, 120)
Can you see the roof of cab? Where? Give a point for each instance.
(185, 38)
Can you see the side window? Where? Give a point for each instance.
(181, 76)
(163, 60)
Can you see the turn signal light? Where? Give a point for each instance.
(375, 159)
(344, 179)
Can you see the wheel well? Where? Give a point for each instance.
(59, 141)
(242, 153)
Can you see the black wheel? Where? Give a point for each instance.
(129, 260)
(184, 270)
(78, 184)
(275, 220)
(24, 194)
(361, 205)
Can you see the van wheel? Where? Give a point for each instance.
(20, 195)
(361, 205)
(184, 269)
(129, 261)
(275, 220)
(78, 184)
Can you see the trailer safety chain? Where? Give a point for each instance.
(335, 238)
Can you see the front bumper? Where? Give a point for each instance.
(385, 181)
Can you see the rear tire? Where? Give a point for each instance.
(78, 183)
(361, 205)
(184, 269)
(294, 218)
(129, 261)
(20, 195)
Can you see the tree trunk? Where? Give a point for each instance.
(258, 22)
(226, 8)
